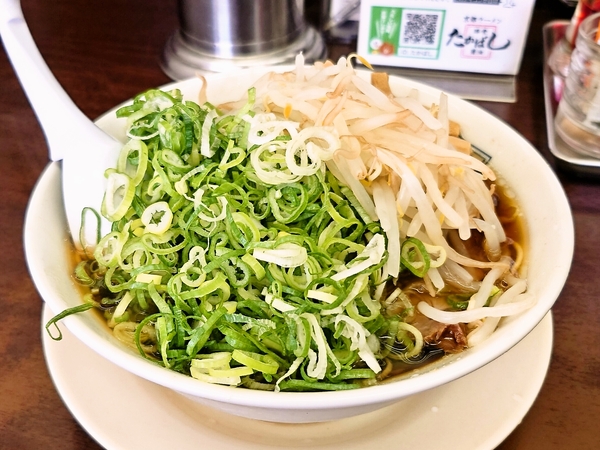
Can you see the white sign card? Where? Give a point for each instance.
(483, 36)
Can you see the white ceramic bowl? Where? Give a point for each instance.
(549, 253)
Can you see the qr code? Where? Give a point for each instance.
(406, 32)
(420, 29)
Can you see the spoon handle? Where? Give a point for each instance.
(63, 123)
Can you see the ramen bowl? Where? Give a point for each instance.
(526, 175)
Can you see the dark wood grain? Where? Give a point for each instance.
(104, 52)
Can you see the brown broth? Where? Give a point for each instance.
(514, 227)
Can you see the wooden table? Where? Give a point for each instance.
(104, 52)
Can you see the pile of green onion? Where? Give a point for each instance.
(212, 271)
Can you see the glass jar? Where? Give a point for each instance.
(577, 120)
(560, 57)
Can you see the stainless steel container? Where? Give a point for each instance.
(223, 35)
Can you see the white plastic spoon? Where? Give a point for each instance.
(85, 150)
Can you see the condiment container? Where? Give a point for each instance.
(577, 120)
(225, 35)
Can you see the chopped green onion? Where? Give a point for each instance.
(256, 361)
(414, 257)
(238, 257)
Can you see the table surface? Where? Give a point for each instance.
(106, 51)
